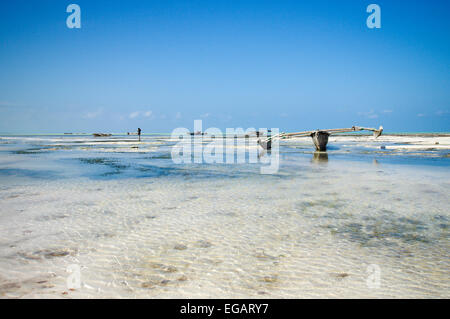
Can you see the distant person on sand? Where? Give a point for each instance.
(139, 134)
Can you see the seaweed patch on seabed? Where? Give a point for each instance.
(48, 253)
(38, 150)
(45, 218)
(30, 151)
(108, 162)
(322, 208)
(388, 231)
(20, 172)
(152, 170)
(154, 273)
(160, 156)
(20, 287)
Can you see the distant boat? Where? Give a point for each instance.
(101, 134)
(197, 133)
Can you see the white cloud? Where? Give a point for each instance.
(205, 115)
(420, 115)
(387, 111)
(371, 114)
(93, 115)
(133, 115)
(137, 114)
(440, 112)
(178, 116)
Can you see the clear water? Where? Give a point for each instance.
(140, 226)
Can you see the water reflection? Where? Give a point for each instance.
(320, 157)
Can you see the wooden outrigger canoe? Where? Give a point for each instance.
(319, 137)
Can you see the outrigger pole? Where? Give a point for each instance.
(319, 137)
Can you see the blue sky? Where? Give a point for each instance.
(161, 64)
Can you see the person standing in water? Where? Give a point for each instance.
(139, 134)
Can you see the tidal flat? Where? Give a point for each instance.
(134, 224)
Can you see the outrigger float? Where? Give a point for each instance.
(319, 137)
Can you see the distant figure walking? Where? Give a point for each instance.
(139, 134)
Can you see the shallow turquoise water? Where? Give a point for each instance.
(139, 225)
(123, 157)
